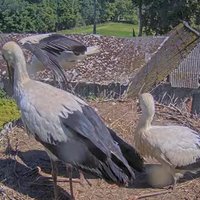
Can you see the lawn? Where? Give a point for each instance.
(108, 29)
(8, 110)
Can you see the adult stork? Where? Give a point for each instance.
(177, 148)
(69, 129)
(56, 52)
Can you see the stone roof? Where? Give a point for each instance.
(118, 60)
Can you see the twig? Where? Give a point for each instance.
(122, 117)
(3, 193)
(15, 158)
(151, 194)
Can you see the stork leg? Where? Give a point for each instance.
(176, 178)
(83, 179)
(54, 173)
(69, 169)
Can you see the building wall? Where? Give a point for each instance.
(187, 75)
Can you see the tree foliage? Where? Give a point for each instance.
(159, 16)
(155, 16)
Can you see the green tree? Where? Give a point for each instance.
(160, 16)
(139, 5)
(21, 16)
(123, 11)
(87, 11)
(68, 11)
(10, 15)
(45, 19)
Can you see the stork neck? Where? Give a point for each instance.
(20, 75)
(145, 121)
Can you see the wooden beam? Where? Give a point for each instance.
(181, 41)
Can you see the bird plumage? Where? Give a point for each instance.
(173, 146)
(59, 49)
(56, 52)
(66, 125)
(179, 145)
(132, 156)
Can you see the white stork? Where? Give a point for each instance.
(69, 129)
(177, 148)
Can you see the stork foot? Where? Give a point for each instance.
(170, 187)
(54, 173)
(173, 186)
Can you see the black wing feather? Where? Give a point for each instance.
(49, 48)
(89, 125)
(131, 155)
(48, 61)
(92, 163)
(56, 43)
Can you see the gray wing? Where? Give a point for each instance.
(48, 61)
(89, 126)
(178, 145)
(47, 49)
(55, 44)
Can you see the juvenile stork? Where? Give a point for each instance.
(177, 148)
(68, 128)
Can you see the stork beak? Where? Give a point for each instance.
(10, 74)
(138, 107)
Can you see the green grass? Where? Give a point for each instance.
(8, 111)
(108, 29)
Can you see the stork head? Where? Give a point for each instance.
(12, 53)
(147, 105)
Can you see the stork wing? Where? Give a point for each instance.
(132, 156)
(89, 126)
(47, 47)
(55, 44)
(48, 61)
(178, 145)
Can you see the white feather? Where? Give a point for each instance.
(172, 146)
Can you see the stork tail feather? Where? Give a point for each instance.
(131, 155)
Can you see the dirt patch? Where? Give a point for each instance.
(21, 159)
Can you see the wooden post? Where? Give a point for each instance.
(196, 103)
(95, 15)
(140, 17)
(57, 15)
(169, 55)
